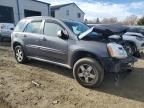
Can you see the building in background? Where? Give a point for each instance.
(67, 11)
(11, 11)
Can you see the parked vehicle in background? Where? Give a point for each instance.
(69, 44)
(136, 29)
(5, 30)
(133, 36)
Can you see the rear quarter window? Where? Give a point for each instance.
(33, 27)
(20, 26)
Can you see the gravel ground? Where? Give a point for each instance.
(42, 85)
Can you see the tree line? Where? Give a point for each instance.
(129, 20)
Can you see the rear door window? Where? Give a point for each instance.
(33, 27)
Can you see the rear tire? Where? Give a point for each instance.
(20, 55)
(88, 72)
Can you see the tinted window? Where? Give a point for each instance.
(51, 29)
(6, 14)
(67, 12)
(33, 27)
(79, 15)
(20, 27)
(52, 13)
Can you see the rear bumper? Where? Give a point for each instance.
(116, 65)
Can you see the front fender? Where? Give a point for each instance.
(95, 49)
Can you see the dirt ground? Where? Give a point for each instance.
(56, 88)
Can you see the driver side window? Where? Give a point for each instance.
(51, 29)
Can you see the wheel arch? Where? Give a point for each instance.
(81, 54)
(15, 43)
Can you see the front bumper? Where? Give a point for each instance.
(117, 65)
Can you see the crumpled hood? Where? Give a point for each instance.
(103, 31)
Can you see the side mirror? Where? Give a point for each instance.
(62, 34)
(59, 33)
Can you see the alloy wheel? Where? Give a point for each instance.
(19, 54)
(87, 74)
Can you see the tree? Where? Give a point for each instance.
(97, 21)
(86, 21)
(112, 20)
(130, 20)
(92, 21)
(141, 21)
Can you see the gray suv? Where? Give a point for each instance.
(69, 44)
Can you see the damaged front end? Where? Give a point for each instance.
(119, 60)
(119, 65)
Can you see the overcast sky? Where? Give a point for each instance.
(106, 8)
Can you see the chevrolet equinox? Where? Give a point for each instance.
(70, 44)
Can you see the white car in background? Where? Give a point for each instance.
(135, 35)
(136, 38)
(5, 30)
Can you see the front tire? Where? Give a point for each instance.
(20, 55)
(88, 72)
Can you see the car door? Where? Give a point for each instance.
(53, 48)
(31, 37)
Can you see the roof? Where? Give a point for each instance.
(38, 17)
(41, 2)
(47, 17)
(55, 7)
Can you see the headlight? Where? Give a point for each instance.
(116, 51)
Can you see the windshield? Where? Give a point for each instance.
(77, 27)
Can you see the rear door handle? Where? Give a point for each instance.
(24, 35)
(44, 39)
